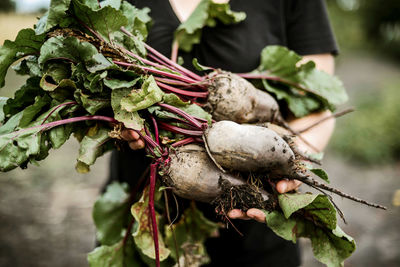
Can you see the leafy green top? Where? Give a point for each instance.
(207, 13)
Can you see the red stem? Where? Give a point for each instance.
(182, 92)
(53, 124)
(155, 129)
(179, 130)
(172, 81)
(155, 71)
(180, 112)
(57, 107)
(153, 176)
(174, 52)
(170, 62)
(183, 142)
(166, 60)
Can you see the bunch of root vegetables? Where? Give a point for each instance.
(212, 138)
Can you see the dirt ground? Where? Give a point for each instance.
(45, 212)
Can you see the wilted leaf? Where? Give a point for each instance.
(105, 20)
(315, 89)
(138, 19)
(148, 95)
(3, 102)
(26, 43)
(190, 232)
(142, 233)
(291, 203)
(92, 104)
(316, 221)
(28, 66)
(116, 255)
(207, 13)
(130, 120)
(54, 16)
(91, 147)
(118, 84)
(73, 49)
(110, 214)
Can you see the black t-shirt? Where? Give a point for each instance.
(301, 25)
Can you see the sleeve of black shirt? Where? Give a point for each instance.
(308, 28)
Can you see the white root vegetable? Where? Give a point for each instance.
(249, 148)
(193, 175)
(234, 98)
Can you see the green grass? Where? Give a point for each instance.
(372, 133)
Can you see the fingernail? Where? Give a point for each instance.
(283, 187)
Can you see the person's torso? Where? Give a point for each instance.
(234, 47)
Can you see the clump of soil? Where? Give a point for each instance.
(243, 197)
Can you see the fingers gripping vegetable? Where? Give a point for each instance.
(234, 98)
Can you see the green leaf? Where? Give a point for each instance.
(110, 214)
(3, 102)
(291, 203)
(60, 134)
(130, 120)
(297, 103)
(307, 89)
(207, 13)
(316, 221)
(92, 103)
(105, 20)
(321, 174)
(198, 66)
(73, 49)
(28, 66)
(145, 97)
(138, 20)
(20, 146)
(174, 100)
(17, 147)
(197, 111)
(54, 16)
(116, 255)
(92, 146)
(118, 84)
(26, 43)
(190, 232)
(142, 233)
(94, 81)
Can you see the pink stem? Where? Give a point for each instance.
(179, 130)
(172, 81)
(166, 60)
(183, 142)
(155, 71)
(153, 177)
(182, 92)
(57, 107)
(155, 129)
(170, 62)
(180, 112)
(174, 52)
(145, 61)
(53, 124)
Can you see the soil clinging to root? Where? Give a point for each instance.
(243, 197)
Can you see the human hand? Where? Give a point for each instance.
(283, 186)
(133, 139)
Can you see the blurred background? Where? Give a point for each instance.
(45, 212)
